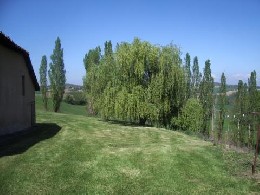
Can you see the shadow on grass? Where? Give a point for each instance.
(19, 142)
(127, 123)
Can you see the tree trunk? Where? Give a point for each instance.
(142, 121)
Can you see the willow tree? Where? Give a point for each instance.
(139, 82)
(91, 63)
(168, 85)
(136, 64)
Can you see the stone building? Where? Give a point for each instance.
(18, 84)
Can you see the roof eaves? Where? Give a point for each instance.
(7, 42)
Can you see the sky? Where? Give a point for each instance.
(225, 31)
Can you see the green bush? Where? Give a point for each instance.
(191, 116)
(68, 99)
(75, 98)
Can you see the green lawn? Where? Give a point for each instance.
(65, 108)
(75, 154)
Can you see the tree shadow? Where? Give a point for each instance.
(18, 143)
(126, 123)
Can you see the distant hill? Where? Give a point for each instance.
(229, 87)
(71, 87)
(217, 84)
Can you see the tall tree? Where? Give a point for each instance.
(195, 78)
(57, 75)
(92, 58)
(92, 62)
(43, 81)
(245, 117)
(206, 97)
(108, 48)
(239, 98)
(241, 110)
(142, 83)
(222, 103)
(188, 75)
(252, 102)
(252, 89)
(257, 107)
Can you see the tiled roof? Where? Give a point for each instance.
(7, 42)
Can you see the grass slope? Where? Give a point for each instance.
(65, 108)
(69, 153)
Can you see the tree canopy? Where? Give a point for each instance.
(139, 82)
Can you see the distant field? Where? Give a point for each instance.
(75, 154)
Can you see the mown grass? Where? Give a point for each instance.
(89, 156)
(65, 108)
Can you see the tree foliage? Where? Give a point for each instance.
(241, 113)
(246, 103)
(75, 98)
(43, 81)
(139, 82)
(222, 105)
(91, 63)
(252, 90)
(188, 76)
(57, 75)
(252, 103)
(206, 97)
(191, 116)
(195, 78)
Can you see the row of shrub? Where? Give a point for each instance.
(75, 98)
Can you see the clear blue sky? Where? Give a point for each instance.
(225, 31)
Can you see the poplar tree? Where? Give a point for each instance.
(245, 117)
(257, 107)
(108, 48)
(241, 109)
(195, 78)
(239, 98)
(43, 81)
(252, 102)
(206, 97)
(57, 75)
(252, 91)
(222, 104)
(188, 75)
